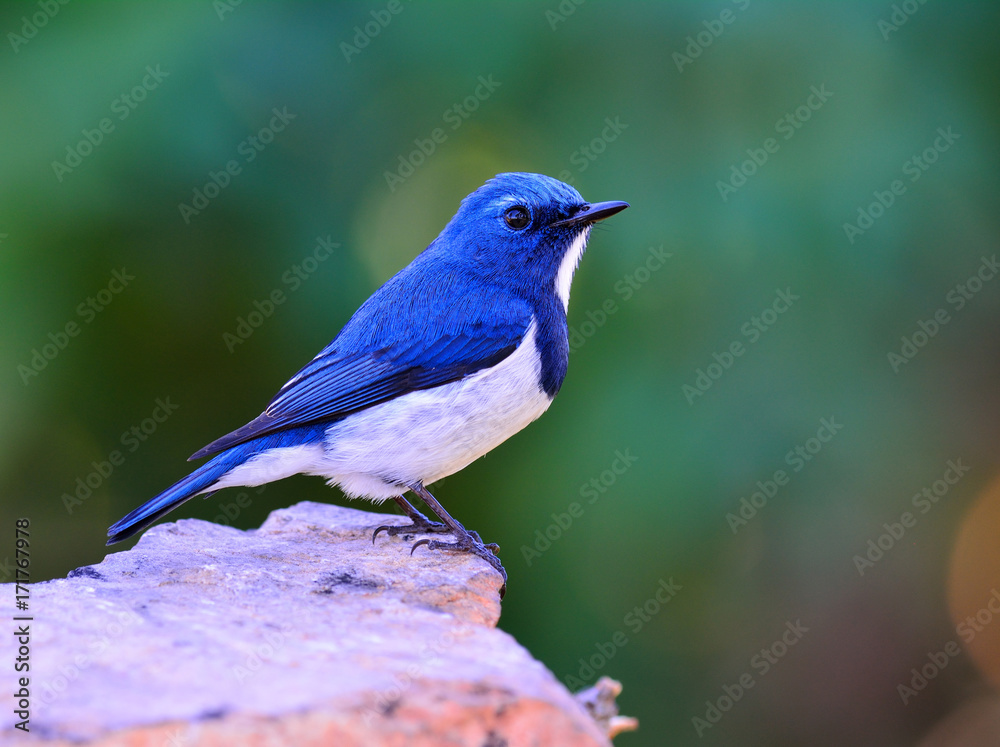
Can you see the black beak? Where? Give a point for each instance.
(593, 213)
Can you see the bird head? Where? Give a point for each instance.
(529, 230)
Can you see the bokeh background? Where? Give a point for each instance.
(653, 103)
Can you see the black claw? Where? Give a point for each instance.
(418, 543)
(393, 530)
(489, 553)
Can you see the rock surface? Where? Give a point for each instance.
(301, 632)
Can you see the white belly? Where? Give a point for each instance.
(433, 433)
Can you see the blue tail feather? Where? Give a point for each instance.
(204, 477)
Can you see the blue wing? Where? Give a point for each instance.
(420, 330)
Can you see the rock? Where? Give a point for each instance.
(301, 632)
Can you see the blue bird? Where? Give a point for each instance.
(455, 354)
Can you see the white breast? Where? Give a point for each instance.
(433, 433)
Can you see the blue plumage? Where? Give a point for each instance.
(453, 355)
(378, 356)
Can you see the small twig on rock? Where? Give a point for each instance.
(599, 700)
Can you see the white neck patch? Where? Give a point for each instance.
(569, 264)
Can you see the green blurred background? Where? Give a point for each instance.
(680, 126)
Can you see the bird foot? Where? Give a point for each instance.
(472, 544)
(417, 527)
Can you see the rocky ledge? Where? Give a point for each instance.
(301, 632)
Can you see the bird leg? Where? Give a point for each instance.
(467, 541)
(421, 524)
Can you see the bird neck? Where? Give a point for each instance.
(552, 341)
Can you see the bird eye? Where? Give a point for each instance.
(517, 217)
